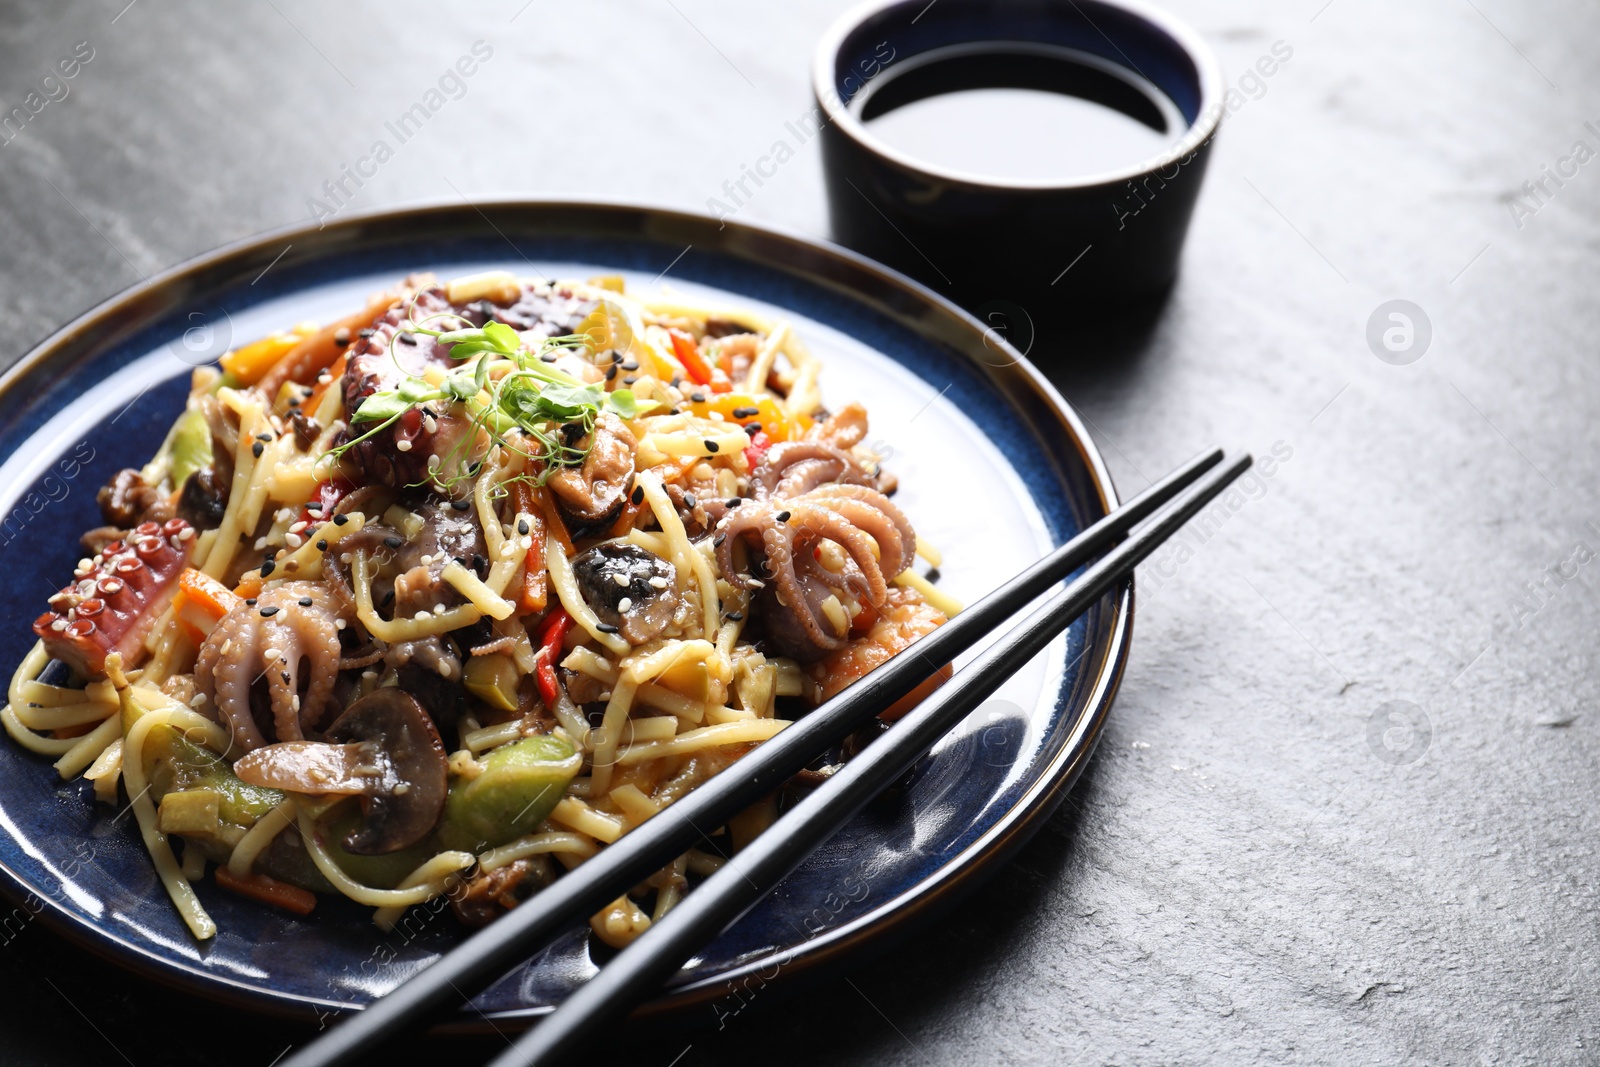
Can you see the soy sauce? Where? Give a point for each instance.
(1017, 111)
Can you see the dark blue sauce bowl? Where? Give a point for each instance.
(1043, 247)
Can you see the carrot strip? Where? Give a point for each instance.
(535, 583)
(201, 601)
(268, 891)
(552, 517)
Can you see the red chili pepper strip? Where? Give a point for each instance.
(759, 443)
(552, 635)
(328, 494)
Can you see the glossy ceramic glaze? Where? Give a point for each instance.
(993, 468)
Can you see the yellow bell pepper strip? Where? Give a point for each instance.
(250, 364)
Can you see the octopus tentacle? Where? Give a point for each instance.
(793, 467)
(288, 624)
(223, 673)
(820, 522)
(280, 664)
(878, 502)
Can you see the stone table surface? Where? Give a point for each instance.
(1344, 810)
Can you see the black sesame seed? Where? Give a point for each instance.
(480, 564)
(745, 413)
(406, 339)
(638, 494)
(257, 448)
(611, 372)
(522, 527)
(368, 332)
(548, 357)
(322, 544)
(341, 341)
(735, 616)
(285, 676)
(461, 505)
(735, 501)
(689, 501)
(629, 379)
(263, 437)
(717, 541)
(698, 398)
(605, 627)
(752, 428)
(267, 613)
(294, 401)
(267, 567)
(782, 516)
(630, 364)
(315, 505)
(250, 602)
(393, 542)
(711, 446)
(305, 602)
(340, 520)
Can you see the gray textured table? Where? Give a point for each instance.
(1344, 810)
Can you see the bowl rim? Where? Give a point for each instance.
(124, 314)
(1208, 116)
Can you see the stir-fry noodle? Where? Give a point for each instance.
(444, 597)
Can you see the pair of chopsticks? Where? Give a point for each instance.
(717, 902)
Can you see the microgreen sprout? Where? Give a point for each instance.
(526, 409)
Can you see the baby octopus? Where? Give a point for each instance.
(824, 551)
(267, 640)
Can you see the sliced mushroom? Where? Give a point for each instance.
(383, 749)
(591, 496)
(626, 587)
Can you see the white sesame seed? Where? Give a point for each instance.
(401, 788)
(625, 604)
(299, 526)
(272, 654)
(197, 701)
(445, 670)
(620, 579)
(338, 624)
(438, 609)
(402, 445)
(421, 615)
(293, 540)
(658, 582)
(261, 544)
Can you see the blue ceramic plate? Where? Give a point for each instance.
(994, 469)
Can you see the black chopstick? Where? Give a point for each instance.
(468, 968)
(752, 872)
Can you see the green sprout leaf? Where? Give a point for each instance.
(628, 406)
